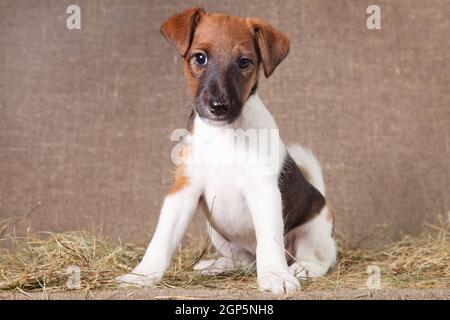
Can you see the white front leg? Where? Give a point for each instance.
(264, 202)
(176, 213)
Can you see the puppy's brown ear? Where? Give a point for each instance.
(179, 29)
(273, 46)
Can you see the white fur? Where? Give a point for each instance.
(246, 211)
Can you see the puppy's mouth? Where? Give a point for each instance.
(216, 119)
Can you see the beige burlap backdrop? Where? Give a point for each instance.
(86, 115)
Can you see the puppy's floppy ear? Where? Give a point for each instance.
(272, 45)
(179, 29)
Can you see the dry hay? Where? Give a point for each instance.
(40, 261)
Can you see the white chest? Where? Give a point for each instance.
(223, 180)
(227, 161)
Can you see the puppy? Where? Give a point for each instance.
(267, 206)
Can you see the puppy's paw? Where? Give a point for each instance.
(306, 269)
(137, 280)
(278, 282)
(204, 264)
(216, 266)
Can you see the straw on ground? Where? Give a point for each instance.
(40, 261)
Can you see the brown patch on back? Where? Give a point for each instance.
(301, 200)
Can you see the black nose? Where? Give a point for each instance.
(219, 108)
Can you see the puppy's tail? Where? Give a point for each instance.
(309, 165)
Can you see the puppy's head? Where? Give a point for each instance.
(222, 55)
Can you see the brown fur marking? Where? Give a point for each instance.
(180, 178)
(330, 215)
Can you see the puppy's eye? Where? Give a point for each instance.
(244, 63)
(200, 59)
